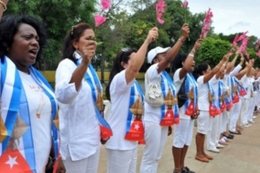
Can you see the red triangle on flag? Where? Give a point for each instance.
(12, 161)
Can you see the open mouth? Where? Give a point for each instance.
(33, 52)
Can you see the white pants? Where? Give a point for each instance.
(235, 115)
(88, 165)
(251, 108)
(225, 116)
(203, 122)
(244, 110)
(155, 138)
(182, 134)
(213, 133)
(121, 161)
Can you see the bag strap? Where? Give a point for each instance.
(183, 84)
(146, 77)
(148, 80)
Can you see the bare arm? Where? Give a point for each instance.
(136, 62)
(175, 49)
(232, 63)
(242, 73)
(87, 52)
(238, 67)
(3, 7)
(216, 69)
(196, 46)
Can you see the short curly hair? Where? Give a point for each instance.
(9, 26)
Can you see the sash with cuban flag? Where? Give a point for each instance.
(213, 103)
(191, 90)
(13, 100)
(92, 79)
(228, 95)
(134, 124)
(221, 94)
(170, 109)
(234, 93)
(241, 89)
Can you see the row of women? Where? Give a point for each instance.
(32, 131)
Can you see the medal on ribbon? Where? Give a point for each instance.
(168, 119)
(190, 109)
(169, 110)
(135, 128)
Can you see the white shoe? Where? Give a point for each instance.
(225, 139)
(252, 121)
(220, 146)
(215, 150)
(248, 125)
(254, 117)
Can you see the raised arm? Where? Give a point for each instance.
(220, 71)
(217, 68)
(137, 60)
(231, 64)
(238, 67)
(87, 52)
(245, 71)
(3, 7)
(196, 46)
(170, 55)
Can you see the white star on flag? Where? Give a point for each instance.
(136, 127)
(11, 161)
(168, 115)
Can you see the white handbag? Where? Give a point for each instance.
(153, 93)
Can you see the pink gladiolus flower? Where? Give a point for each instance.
(105, 4)
(242, 36)
(206, 28)
(159, 18)
(160, 6)
(160, 10)
(244, 44)
(185, 4)
(257, 47)
(235, 41)
(247, 55)
(204, 31)
(99, 20)
(208, 17)
(207, 21)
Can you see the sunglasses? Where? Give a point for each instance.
(127, 49)
(125, 52)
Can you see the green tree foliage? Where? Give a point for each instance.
(212, 50)
(59, 16)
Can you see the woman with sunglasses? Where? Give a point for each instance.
(156, 118)
(79, 93)
(126, 99)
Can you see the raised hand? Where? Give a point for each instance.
(197, 44)
(185, 30)
(226, 57)
(152, 35)
(88, 51)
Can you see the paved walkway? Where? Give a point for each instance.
(242, 155)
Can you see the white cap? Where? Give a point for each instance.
(155, 51)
